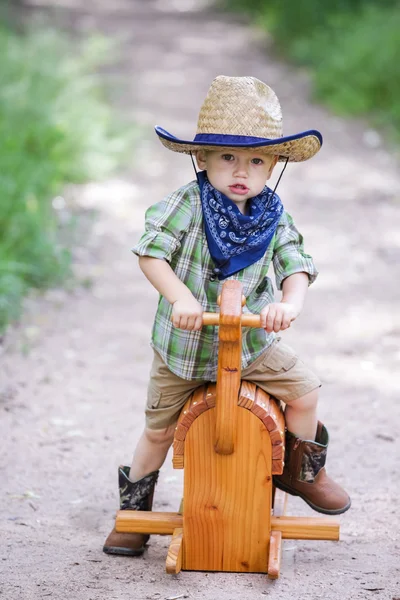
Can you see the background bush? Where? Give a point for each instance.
(352, 47)
(55, 128)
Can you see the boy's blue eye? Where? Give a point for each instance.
(257, 161)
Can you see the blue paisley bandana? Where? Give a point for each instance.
(236, 241)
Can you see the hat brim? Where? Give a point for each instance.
(295, 148)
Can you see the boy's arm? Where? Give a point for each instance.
(294, 290)
(186, 310)
(279, 315)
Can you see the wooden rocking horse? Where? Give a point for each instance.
(230, 440)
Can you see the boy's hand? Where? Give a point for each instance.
(187, 313)
(278, 316)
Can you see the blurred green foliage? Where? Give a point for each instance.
(55, 127)
(352, 46)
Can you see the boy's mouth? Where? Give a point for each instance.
(239, 188)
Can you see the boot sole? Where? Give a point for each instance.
(324, 511)
(120, 551)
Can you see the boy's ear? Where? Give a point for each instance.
(201, 159)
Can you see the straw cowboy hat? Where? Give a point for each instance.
(244, 112)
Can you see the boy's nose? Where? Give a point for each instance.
(240, 169)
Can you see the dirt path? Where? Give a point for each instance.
(73, 376)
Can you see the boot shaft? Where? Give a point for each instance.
(136, 495)
(305, 458)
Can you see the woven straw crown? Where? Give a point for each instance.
(241, 106)
(245, 113)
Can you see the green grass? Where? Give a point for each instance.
(364, 76)
(56, 127)
(352, 48)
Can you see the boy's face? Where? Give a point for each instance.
(239, 174)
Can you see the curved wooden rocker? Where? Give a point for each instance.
(230, 440)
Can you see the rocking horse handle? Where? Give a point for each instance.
(247, 320)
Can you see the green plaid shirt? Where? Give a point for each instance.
(175, 233)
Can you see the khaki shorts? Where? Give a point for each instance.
(278, 371)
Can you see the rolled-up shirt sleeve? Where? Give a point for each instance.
(289, 256)
(165, 224)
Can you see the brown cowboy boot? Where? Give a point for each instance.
(134, 495)
(304, 474)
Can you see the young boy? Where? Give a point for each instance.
(228, 224)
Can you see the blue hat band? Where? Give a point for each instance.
(220, 138)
